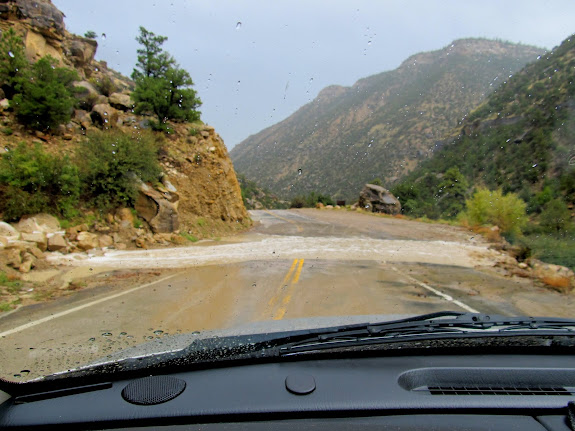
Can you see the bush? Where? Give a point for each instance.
(111, 163)
(506, 211)
(90, 34)
(104, 85)
(13, 62)
(35, 181)
(44, 98)
(556, 217)
(310, 200)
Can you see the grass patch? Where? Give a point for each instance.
(201, 222)
(9, 282)
(189, 237)
(559, 250)
(6, 306)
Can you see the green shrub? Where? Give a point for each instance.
(310, 200)
(35, 181)
(87, 101)
(90, 34)
(13, 62)
(44, 98)
(111, 163)
(105, 85)
(556, 217)
(506, 211)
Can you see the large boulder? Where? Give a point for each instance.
(160, 210)
(82, 118)
(378, 199)
(45, 223)
(86, 87)
(87, 241)
(121, 101)
(8, 231)
(556, 276)
(57, 242)
(38, 238)
(104, 116)
(43, 15)
(81, 51)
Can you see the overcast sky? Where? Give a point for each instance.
(256, 62)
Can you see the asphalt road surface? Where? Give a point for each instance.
(292, 264)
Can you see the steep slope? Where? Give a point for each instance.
(520, 140)
(198, 175)
(382, 126)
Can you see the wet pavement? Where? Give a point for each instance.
(293, 264)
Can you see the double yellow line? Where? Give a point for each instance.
(282, 308)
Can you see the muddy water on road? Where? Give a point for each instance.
(372, 267)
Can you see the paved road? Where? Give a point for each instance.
(293, 264)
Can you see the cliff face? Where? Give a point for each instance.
(41, 26)
(198, 181)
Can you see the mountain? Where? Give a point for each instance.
(520, 139)
(382, 126)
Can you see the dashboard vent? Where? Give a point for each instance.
(495, 390)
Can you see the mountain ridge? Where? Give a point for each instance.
(372, 129)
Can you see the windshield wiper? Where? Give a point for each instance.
(453, 324)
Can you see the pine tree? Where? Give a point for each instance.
(163, 88)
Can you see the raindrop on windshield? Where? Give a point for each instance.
(103, 37)
(299, 171)
(158, 332)
(106, 334)
(238, 25)
(10, 54)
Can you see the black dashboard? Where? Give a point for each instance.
(442, 392)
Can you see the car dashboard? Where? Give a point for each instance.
(414, 392)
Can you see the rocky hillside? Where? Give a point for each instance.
(382, 126)
(520, 139)
(197, 195)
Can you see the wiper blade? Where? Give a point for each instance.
(435, 324)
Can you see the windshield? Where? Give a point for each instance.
(173, 168)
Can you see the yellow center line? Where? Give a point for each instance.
(274, 299)
(299, 228)
(287, 298)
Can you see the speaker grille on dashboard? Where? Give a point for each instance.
(153, 390)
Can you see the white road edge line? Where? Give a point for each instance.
(81, 307)
(435, 291)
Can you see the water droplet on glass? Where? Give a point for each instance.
(158, 332)
(238, 25)
(299, 171)
(92, 339)
(103, 37)
(534, 166)
(196, 333)
(254, 285)
(123, 333)
(10, 54)
(106, 334)
(369, 42)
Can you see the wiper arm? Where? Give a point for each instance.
(444, 323)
